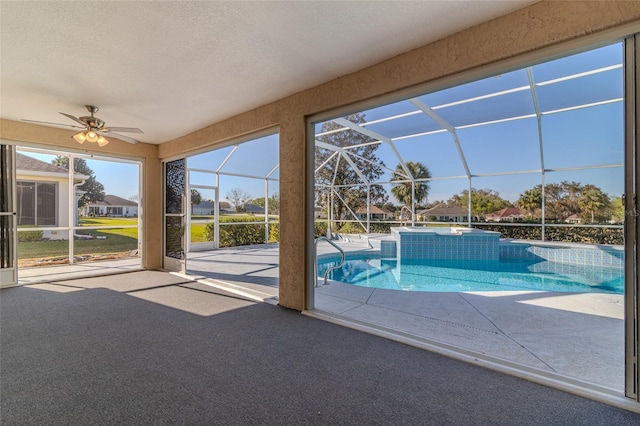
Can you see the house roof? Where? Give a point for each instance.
(253, 208)
(506, 212)
(25, 164)
(114, 200)
(209, 205)
(443, 210)
(372, 209)
(204, 205)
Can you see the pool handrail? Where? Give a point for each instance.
(410, 218)
(315, 263)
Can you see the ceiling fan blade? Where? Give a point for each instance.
(54, 124)
(74, 119)
(123, 129)
(117, 136)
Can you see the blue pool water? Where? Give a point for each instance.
(467, 275)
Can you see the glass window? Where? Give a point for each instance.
(36, 203)
(46, 201)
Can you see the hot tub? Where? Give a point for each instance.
(450, 243)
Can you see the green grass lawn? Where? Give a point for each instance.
(109, 221)
(197, 232)
(117, 240)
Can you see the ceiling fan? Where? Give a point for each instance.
(94, 129)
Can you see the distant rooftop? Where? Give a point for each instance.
(114, 200)
(444, 210)
(26, 164)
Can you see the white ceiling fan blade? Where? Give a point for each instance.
(53, 124)
(117, 136)
(74, 119)
(123, 129)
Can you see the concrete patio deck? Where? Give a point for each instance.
(43, 274)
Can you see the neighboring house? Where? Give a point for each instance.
(376, 213)
(443, 213)
(112, 205)
(225, 207)
(574, 218)
(319, 213)
(252, 208)
(207, 208)
(42, 194)
(509, 214)
(204, 208)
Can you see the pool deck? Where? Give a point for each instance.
(577, 335)
(574, 335)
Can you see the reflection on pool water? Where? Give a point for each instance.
(473, 275)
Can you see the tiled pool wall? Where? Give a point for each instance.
(432, 245)
(469, 247)
(566, 254)
(443, 247)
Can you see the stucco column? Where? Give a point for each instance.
(293, 199)
(152, 213)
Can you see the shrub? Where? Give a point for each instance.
(29, 236)
(380, 228)
(566, 234)
(274, 232)
(351, 228)
(241, 234)
(320, 229)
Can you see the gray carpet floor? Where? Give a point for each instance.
(105, 355)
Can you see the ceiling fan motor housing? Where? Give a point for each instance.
(93, 122)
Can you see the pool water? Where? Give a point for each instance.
(457, 275)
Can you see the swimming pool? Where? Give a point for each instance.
(472, 275)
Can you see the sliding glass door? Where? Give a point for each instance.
(8, 270)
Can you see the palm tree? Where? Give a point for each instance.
(402, 191)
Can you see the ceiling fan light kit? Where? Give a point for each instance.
(90, 136)
(95, 129)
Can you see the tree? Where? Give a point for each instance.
(617, 209)
(274, 203)
(402, 191)
(530, 200)
(196, 198)
(564, 199)
(134, 198)
(347, 183)
(592, 200)
(238, 197)
(483, 201)
(389, 207)
(93, 190)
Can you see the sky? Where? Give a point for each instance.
(571, 138)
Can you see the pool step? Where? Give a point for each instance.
(386, 245)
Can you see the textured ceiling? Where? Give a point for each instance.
(171, 68)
